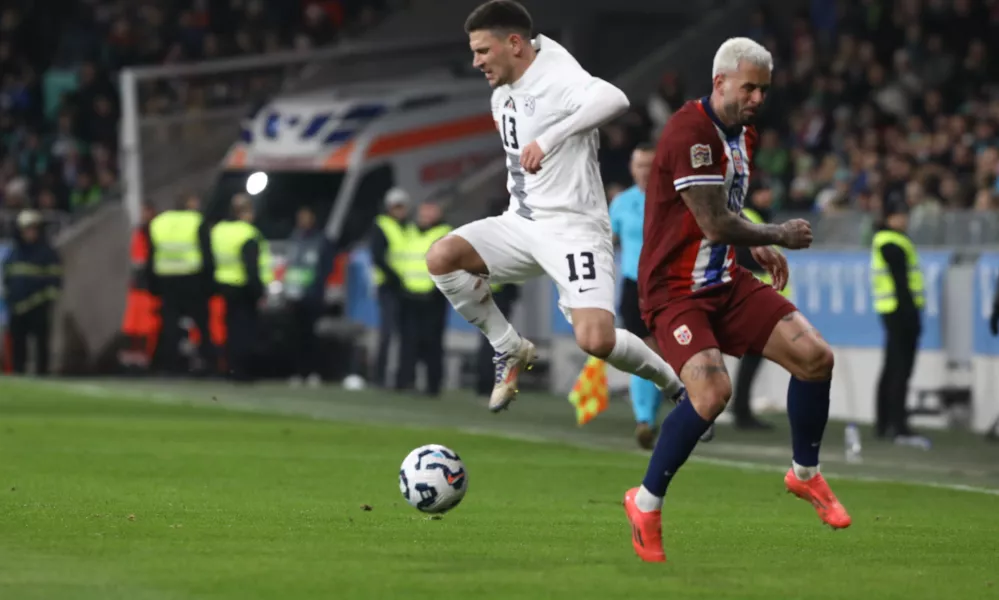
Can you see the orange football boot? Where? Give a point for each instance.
(646, 529)
(816, 491)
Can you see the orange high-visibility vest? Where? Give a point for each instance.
(141, 307)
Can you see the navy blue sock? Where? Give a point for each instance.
(681, 429)
(808, 411)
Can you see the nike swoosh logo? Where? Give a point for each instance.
(452, 478)
(584, 290)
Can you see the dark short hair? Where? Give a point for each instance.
(240, 205)
(181, 203)
(500, 15)
(645, 147)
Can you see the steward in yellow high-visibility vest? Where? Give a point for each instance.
(897, 295)
(387, 242)
(891, 278)
(757, 210)
(243, 270)
(179, 272)
(424, 308)
(416, 280)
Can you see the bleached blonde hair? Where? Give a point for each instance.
(737, 50)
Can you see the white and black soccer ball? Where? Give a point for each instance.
(433, 479)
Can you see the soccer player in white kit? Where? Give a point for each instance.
(547, 109)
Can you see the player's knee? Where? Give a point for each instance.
(595, 339)
(444, 256)
(710, 401)
(816, 363)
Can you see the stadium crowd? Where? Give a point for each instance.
(58, 96)
(869, 97)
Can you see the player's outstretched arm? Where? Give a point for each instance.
(598, 102)
(709, 205)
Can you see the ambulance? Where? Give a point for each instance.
(340, 150)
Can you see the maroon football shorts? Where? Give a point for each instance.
(736, 317)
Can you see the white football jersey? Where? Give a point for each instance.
(568, 187)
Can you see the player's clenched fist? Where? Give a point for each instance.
(530, 158)
(796, 234)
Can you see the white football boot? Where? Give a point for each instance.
(508, 368)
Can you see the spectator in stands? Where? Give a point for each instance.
(16, 194)
(58, 103)
(47, 201)
(924, 208)
(873, 89)
(86, 193)
(32, 279)
(667, 98)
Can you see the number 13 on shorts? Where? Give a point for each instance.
(586, 280)
(587, 271)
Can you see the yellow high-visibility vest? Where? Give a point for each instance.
(765, 277)
(174, 235)
(396, 236)
(413, 261)
(228, 239)
(883, 290)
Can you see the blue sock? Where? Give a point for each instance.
(645, 399)
(679, 434)
(808, 411)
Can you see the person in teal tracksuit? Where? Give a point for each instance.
(627, 214)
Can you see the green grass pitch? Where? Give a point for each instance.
(156, 491)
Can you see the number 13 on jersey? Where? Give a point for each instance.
(510, 133)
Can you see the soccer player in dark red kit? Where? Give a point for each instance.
(699, 303)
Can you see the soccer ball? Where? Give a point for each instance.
(433, 479)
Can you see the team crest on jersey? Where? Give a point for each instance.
(683, 335)
(529, 106)
(700, 156)
(738, 162)
(509, 104)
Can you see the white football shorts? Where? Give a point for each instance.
(580, 260)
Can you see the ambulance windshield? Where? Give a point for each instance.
(277, 196)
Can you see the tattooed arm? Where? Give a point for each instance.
(709, 206)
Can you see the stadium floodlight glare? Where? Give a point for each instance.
(256, 183)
